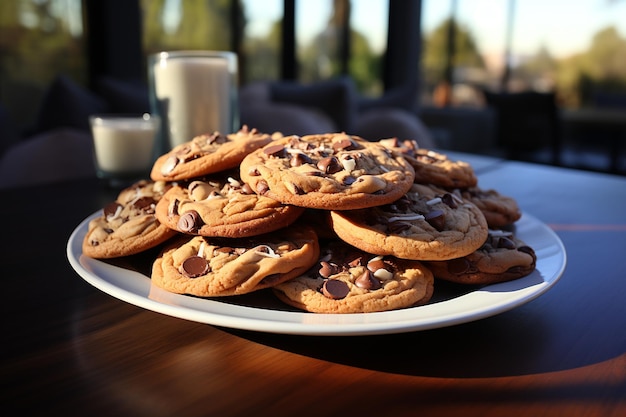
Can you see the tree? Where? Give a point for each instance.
(599, 69)
(321, 59)
(435, 49)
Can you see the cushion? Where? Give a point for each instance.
(284, 118)
(67, 104)
(254, 93)
(335, 97)
(400, 97)
(385, 123)
(56, 155)
(124, 96)
(8, 133)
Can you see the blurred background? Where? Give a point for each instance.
(460, 59)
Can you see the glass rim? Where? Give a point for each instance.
(112, 118)
(193, 53)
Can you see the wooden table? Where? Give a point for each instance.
(71, 349)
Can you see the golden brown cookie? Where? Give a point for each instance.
(499, 210)
(347, 280)
(331, 171)
(128, 225)
(503, 257)
(215, 267)
(433, 167)
(207, 154)
(427, 223)
(222, 206)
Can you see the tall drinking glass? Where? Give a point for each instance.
(193, 92)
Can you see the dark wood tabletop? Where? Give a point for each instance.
(69, 349)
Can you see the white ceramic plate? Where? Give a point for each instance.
(261, 312)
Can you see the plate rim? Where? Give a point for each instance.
(305, 323)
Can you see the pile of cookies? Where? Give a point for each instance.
(328, 223)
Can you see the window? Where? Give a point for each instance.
(577, 49)
(338, 37)
(189, 24)
(261, 40)
(39, 39)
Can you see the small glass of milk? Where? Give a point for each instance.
(123, 146)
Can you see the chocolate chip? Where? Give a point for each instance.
(271, 279)
(449, 200)
(294, 189)
(328, 269)
(398, 227)
(367, 281)
(172, 209)
(312, 174)
(527, 249)
(111, 209)
(189, 222)
(376, 265)
(262, 187)
(506, 243)
(144, 203)
(436, 218)
(216, 138)
(275, 150)
(355, 262)
(343, 145)
(225, 249)
(335, 289)
(195, 266)
(253, 172)
(298, 159)
(402, 204)
(329, 165)
(459, 266)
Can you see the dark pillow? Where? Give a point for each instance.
(399, 98)
(67, 104)
(8, 133)
(335, 97)
(289, 119)
(122, 96)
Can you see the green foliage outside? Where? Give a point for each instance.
(576, 79)
(39, 41)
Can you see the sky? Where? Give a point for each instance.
(562, 26)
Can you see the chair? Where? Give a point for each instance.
(526, 123)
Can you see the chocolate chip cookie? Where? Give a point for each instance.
(503, 257)
(427, 223)
(328, 171)
(433, 167)
(499, 210)
(128, 225)
(215, 267)
(223, 206)
(347, 280)
(207, 154)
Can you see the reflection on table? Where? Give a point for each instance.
(71, 349)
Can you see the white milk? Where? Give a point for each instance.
(123, 145)
(194, 93)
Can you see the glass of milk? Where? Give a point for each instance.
(124, 145)
(194, 92)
